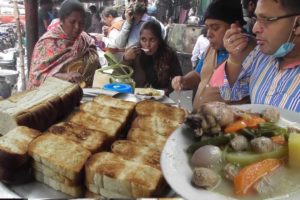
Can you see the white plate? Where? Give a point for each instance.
(156, 97)
(177, 172)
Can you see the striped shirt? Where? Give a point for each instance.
(262, 79)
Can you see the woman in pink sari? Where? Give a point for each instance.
(65, 51)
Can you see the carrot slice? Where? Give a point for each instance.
(235, 126)
(254, 121)
(248, 175)
(279, 139)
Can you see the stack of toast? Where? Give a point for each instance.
(14, 160)
(86, 150)
(59, 163)
(41, 107)
(132, 168)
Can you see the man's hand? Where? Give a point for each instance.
(235, 42)
(129, 13)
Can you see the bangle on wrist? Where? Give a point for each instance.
(229, 61)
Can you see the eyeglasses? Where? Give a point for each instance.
(268, 20)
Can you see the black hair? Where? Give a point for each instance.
(69, 6)
(109, 11)
(291, 6)
(229, 11)
(93, 9)
(164, 52)
(45, 2)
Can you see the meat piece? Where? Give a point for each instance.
(205, 178)
(261, 145)
(239, 143)
(220, 111)
(230, 171)
(271, 114)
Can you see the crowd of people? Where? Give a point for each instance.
(248, 52)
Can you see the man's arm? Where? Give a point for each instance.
(122, 38)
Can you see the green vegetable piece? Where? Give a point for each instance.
(246, 158)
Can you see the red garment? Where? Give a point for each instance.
(55, 49)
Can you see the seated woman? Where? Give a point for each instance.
(153, 61)
(65, 51)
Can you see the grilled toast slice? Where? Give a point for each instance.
(104, 111)
(108, 126)
(162, 126)
(137, 152)
(114, 102)
(154, 108)
(14, 146)
(113, 173)
(92, 140)
(39, 167)
(147, 138)
(75, 191)
(59, 154)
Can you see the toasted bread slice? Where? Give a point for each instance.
(92, 140)
(104, 111)
(39, 167)
(108, 126)
(137, 152)
(14, 146)
(154, 108)
(122, 176)
(75, 191)
(147, 138)
(89, 194)
(104, 193)
(59, 154)
(114, 102)
(156, 124)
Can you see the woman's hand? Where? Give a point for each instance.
(73, 77)
(131, 53)
(177, 83)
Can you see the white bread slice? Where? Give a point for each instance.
(104, 111)
(38, 108)
(154, 108)
(14, 146)
(162, 126)
(92, 140)
(75, 191)
(137, 152)
(108, 126)
(147, 138)
(39, 167)
(114, 102)
(122, 176)
(59, 154)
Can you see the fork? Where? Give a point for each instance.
(178, 98)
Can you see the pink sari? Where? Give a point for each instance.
(55, 49)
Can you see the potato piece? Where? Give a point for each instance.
(294, 150)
